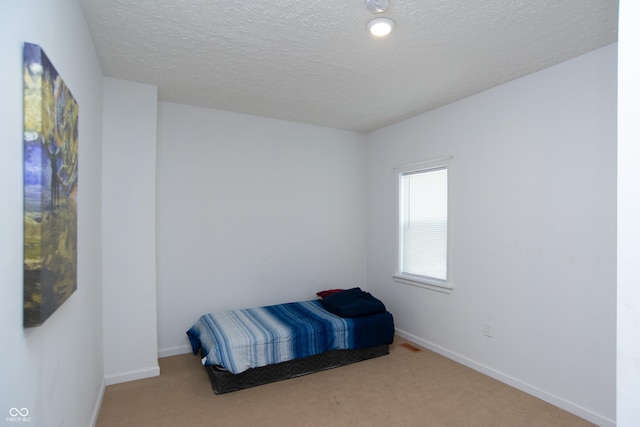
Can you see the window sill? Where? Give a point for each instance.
(423, 284)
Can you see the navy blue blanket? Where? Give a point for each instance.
(353, 303)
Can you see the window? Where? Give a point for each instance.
(423, 225)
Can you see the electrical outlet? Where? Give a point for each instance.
(488, 329)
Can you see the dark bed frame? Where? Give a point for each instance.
(223, 381)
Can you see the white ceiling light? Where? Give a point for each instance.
(380, 27)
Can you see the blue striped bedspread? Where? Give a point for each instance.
(238, 340)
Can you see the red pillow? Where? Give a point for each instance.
(324, 294)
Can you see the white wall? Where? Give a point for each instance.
(129, 227)
(252, 211)
(628, 402)
(54, 370)
(533, 215)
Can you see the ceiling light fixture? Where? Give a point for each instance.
(380, 27)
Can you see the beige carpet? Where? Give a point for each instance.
(405, 388)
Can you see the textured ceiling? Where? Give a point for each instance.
(312, 61)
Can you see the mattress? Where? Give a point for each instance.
(239, 340)
(223, 381)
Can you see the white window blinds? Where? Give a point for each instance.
(423, 224)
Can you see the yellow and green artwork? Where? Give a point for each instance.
(50, 188)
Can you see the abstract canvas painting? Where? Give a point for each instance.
(50, 188)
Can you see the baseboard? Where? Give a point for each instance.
(174, 351)
(132, 375)
(513, 382)
(97, 405)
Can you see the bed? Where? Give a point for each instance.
(254, 346)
